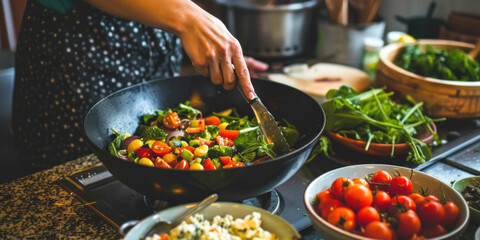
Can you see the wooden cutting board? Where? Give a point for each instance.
(317, 79)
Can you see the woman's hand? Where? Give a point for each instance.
(213, 50)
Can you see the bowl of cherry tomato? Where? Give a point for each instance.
(384, 202)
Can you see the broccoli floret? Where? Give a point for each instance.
(217, 151)
(211, 132)
(153, 132)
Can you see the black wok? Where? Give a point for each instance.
(122, 110)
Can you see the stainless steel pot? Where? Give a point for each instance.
(269, 30)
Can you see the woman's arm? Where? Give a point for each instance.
(206, 40)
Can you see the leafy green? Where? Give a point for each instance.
(185, 109)
(324, 147)
(372, 116)
(253, 141)
(290, 134)
(117, 142)
(439, 63)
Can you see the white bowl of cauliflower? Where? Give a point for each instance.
(220, 220)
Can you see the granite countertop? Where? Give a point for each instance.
(34, 207)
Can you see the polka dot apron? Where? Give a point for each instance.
(65, 63)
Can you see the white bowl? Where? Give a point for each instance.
(270, 222)
(419, 179)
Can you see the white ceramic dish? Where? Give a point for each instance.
(270, 222)
(321, 183)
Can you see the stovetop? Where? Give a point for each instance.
(458, 157)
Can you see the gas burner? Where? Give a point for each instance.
(269, 201)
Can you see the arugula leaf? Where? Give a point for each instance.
(372, 116)
(117, 142)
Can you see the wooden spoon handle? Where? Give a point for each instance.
(474, 52)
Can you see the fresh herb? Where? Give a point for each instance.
(323, 147)
(439, 63)
(372, 116)
(117, 142)
(251, 140)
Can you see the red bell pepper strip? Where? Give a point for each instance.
(208, 164)
(232, 134)
(200, 126)
(213, 120)
(225, 159)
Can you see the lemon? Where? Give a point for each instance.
(406, 39)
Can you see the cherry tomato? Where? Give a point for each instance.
(381, 200)
(379, 230)
(234, 164)
(381, 179)
(212, 120)
(230, 134)
(145, 153)
(161, 148)
(409, 224)
(134, 145)
(451, 214)
(400, 185)
(171, 120)
(432, 198)
(320, 200)
(208, 164)
(360, 181)
(209, 143)
(432, 231)
(404, 200)
(223, 141)
(366, 215)
(339, 187)
(184, 165)
(358, 196)
(159, 162)
(431, 213)
(342, 217)
(330, 206)
(417, 198)
(146, 162)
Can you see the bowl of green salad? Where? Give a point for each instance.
(373, 122)
(439, 73)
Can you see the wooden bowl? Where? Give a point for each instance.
(442, 98)
(380, 149)
(449, 34)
